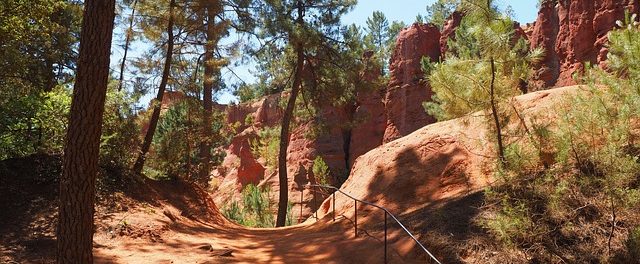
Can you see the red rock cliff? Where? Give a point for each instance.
(407, 89)
(572, 33)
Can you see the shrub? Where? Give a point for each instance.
(120, 132)
(34, 123)
(582, 204)
(267, 146)
(254, 210)
(633, 243)
(320, 171)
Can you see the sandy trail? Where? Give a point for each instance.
(154, 238)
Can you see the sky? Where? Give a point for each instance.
(525, 11)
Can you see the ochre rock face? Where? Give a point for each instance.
(370, 123)
(305, 145)
(449, 30)
(572, 33)
(237, 114)
(407, 89)
(543, 35)
(438, 162)
(250, 171)
(240, 159)
(268, 112)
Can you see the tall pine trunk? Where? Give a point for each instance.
(82, 144)
(209, 71)
(157, 105)
(127, 42)
(283, 200)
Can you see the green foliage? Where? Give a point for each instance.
(512, 223)
(39, 42)
(461, 83)
(579, 203)
(120, 132)
(254, 210)
(333, 61)
(380, 37)
(177, 140)
(321, 171)
(35, 123)
(248, 92)
(267, 145)
(378, 29)
(440, 10)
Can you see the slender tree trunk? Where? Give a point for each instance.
(494, 113)
(284, 143)
(80, 162)
(127, 42)
(209, 71)
(51, 76)
(283, 200)
(157, 105)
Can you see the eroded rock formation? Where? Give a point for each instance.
(449, 30)
(407, 88)
(572, 33)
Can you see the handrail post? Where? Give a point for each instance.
(334, 206)
(301, 196)
(315, 201)
(355, 209)
(385, 237)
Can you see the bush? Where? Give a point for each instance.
(320, 171)
(255, 209)
(582, 204)
(120, 133)
(267, 146)
(34, 123)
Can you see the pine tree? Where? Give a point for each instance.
(155, 116)
(215, 31)
(306, 32)
(127, 43)
(439, 11)
(380, 37)
(80, 163)
(487, 63)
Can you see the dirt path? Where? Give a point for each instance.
(148, 235)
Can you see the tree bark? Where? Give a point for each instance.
(283, 200)
(494, 113)
(81, 152)
(213, 10)
(127, 42)
(157, 105)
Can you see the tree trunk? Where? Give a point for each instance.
(284, 143)
(283, 200)
(127, 42)
(81, 152)
(209, 71)
(157, 104)
(494, 113)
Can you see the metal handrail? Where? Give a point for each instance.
(376, 206)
